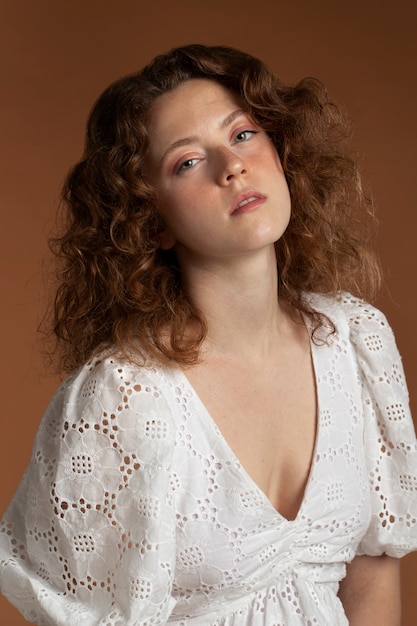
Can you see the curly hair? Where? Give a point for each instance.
(118, 290)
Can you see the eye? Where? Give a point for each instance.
(244, 135)
(187, 165)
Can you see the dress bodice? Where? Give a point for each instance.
(134, 511)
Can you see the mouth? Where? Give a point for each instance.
(247, 202)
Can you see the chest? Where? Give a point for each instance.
(227, 530)
(268, 416)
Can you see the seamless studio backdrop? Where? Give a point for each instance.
(58, 56)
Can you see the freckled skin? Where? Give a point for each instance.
(202, 158)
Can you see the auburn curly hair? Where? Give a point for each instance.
(118, 290)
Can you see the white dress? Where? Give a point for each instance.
(135, 511)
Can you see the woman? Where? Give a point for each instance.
(233, 444)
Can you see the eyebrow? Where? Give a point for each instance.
(187, 140)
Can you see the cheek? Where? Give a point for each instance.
(181, 205)
(173, 213)
(270, 155)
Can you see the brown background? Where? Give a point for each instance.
(57, 56)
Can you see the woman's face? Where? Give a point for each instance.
(222, 191)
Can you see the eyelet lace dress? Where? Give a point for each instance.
(134, 511)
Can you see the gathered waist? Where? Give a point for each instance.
(285, 592)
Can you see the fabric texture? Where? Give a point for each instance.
(135, 511)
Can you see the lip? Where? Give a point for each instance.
(247, 201)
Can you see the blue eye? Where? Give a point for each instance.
(187, 165)
(244, 135)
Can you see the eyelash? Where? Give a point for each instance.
(249, 132)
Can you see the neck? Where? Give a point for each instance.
(240, 301)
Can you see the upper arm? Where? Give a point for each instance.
(91, 528)
(370, 592)
(389, 437)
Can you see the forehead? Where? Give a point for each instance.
(194, 103)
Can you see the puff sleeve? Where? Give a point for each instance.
(389, 436)
(89, 538)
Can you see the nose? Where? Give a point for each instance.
(231, 166)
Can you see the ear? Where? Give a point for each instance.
(166, 240)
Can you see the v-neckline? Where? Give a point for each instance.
(232, 455)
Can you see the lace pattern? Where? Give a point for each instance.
(135, 511)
